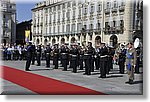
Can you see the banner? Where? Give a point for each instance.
(27, 36)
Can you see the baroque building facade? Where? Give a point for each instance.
(8, 18)
(97, 21)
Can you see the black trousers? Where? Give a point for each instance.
(8, 56)
(92, 64)
(55, 62)
(71, 65)
(103, 67)
(47, 60)
(33, 59)
(88, 64)
(81, 64)
(38, 60)
(97, 63)
(64, 64)
(74, 64)
(108, 65)
(137, 65)
(121, 67)
(28, 62)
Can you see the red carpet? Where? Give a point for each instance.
(43, 85)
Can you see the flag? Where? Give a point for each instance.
(27, 36)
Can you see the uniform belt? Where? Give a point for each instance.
(87, 54)
(74, 55)
(104, 56)
(55, 53)
(47, 53)
(64, 53)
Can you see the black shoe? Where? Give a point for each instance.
(102, 77)
(84, 74)
(131, 82)
(127, 82)
(27, 70)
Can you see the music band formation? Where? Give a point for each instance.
(77, 57)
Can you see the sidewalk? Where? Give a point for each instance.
(113, 84)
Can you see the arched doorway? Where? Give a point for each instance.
(62, 41)
(113, 40)
(37, 42)
(45, 42)
(97, 40)
(73, 40)
(53, 41)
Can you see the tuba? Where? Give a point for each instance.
(136, 43)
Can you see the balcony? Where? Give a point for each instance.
(54, 22)
(79, 16)
(41, 24)
(6, 36)
(107, 11)
(73, 18)
(63, 20)
(114, 30)
(121, 8)
(114, 10)
(58, 21)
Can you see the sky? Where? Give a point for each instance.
(23, 8)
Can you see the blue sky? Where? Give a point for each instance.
(24, 9)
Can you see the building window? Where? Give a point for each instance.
(90, 37)
(114, 23)
(68, 28)
(74, 14)
(99, 8)
(58, 7)
(122, 3)
(58, 29)
(108, 5)
(59, 16)
(98, 26)
(84, 37)
(91, 26)
(54, 30)
(115, 4)
(92, 8)
(54, 8)
(54, 17)
(63, 28)
(50, 9)
(50, 30)
(74, 3)
(50, 18)
(64, 6)
(121, 23)
(69, 4)
(73, 28)
(107, 26)
(79, 27)
(46, 19)
(85, 27)
(68, 15)
(46, 10)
